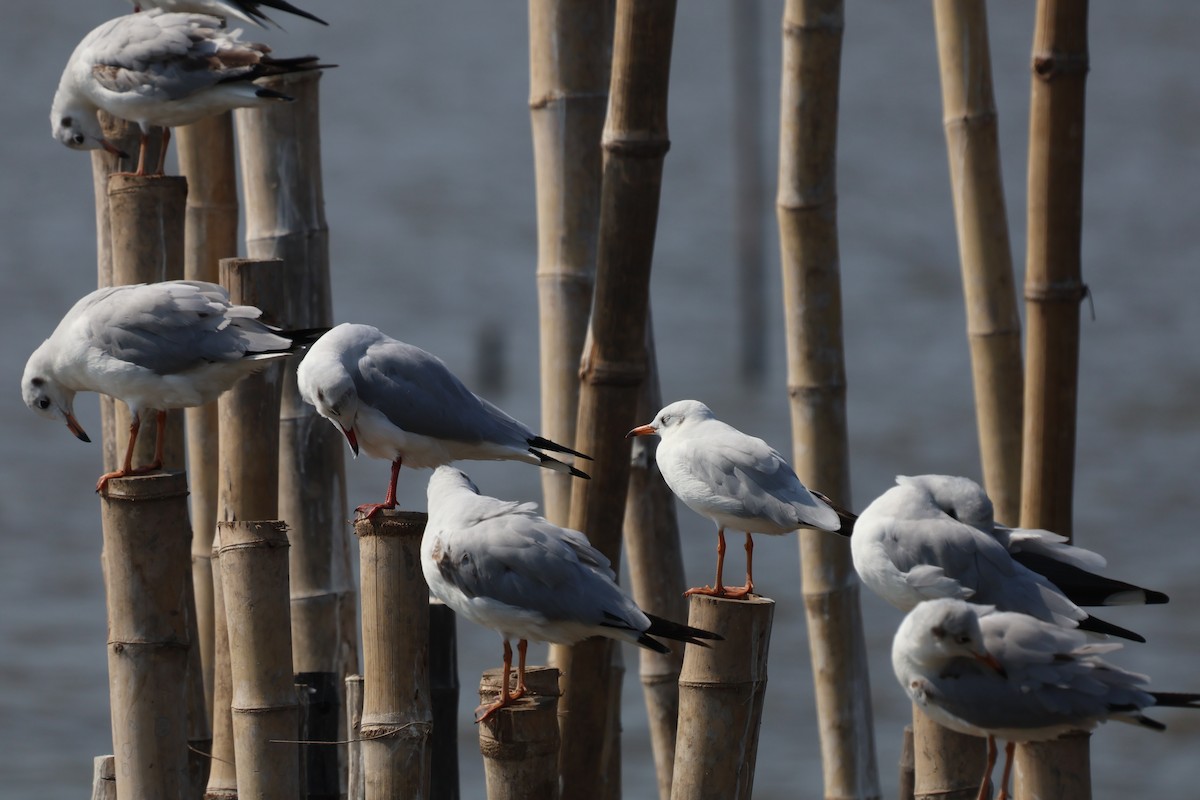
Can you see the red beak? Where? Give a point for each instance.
(642, 430)
(352, 439)
(74, 427)
(109, 147)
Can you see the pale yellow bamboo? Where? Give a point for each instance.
(520, 743)
(721, 691)
(355, 787)
(1053, 291)
(206, 160)
(222, 774)
(104, 778)
(266, 716)
(146, 539)
(807, 215)
(635, 143)
(570, 53)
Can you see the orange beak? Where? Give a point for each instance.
(109, 147)
(351, 439)
(642, 430)
(74, 427)
(991, 661)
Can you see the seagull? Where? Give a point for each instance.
(402, 404)
(175, 344)
(245, 10)
(502, 566)
(738, 481)
(164, 69)
(934, 536)
(1011, 676)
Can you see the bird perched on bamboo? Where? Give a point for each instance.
(738, 481)
(175, 344)
(246, 10)
(400, 403)
(501, 565)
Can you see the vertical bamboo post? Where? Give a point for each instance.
(635, 144)
(206, 160)
(520, 743)
(1053, 290)
(266, 718)
(397, 717)
(146, 222)
(721, 691)
(443, 692)
(146, 534)
(222, 773)
(656, 577)
(570, 54)
(355, 787)
(285, 219)
(104, 778)
(199, 729)
(907, 766)
(808, 237)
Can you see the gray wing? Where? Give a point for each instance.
(172, 327)
(417, 393)
(960, 553)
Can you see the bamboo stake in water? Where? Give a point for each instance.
(570, 54)
(222, 773)
(1053, 290)
(146, 540)
(397, 718)
(355, 787)
(519, 743)
(104, 778)
(443, 692)
(721, 691)
(807, 214)
(266, 717)
(635, 143)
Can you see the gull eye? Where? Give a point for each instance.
(66, 122)
(43, 403)
(77, 138)
(962, 639)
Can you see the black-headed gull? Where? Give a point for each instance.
(158, 68)
(400, 403)
(934, 536)
(1008, 675)
(245, 10)
(738, 481)
(502, 566)
(175, 344)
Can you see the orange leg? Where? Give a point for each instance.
(143, 140)
(1004, 776)
(748, 589)
(985, 786)
(717, 590)
(369, 510)
(506, 698)
(519, 692)
(162, 154)
(127, 466)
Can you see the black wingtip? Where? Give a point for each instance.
(1085, 588)
(1096, 625)
(845, 518)
(542, 443)
(679, 632)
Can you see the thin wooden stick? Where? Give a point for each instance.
(199, 730)
(807, 214)
(266, 716)
(443, 691)
(146, 540)
(355, 786)
(721, 691)
(222, 773)
(104, 778)
(570, 54)
(635, 143)
(519, 743)
(397, 718)
(1053, 291)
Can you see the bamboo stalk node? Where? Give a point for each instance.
(634, 147)
(555, 97)
(1061, 292)
(1048, 66)
(824, 24)
(817, 392)
(598, 372)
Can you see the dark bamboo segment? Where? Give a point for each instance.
(206, 159)
(635, 143)
(397, 718)
(570, 55)
(807, 215)
(1053, 291)
(355, 787)
(721, 691)
(222, 773)
(146, 540)
(199, 729)
(104, 778)
(443, 691)
(907, 766)
(520, 743)
(146, 222)
(266, 716)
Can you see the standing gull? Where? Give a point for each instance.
(402, 404)
(738, 481)
(1008, 675)
(934, 536)
(246, 10)
(175, 344)
(158, 68)
(502, 566)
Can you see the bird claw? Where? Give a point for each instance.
(369, 510)
(102, 483)
(730, 593)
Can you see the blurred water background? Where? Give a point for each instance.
(429, 192)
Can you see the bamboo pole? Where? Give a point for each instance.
(222, 773)
(1053, 291)
(570, 54)
(443, 692)
(206, 160)
(266, 717)
(397, 717)
(721, 691)
(199, 729)
(807, 214)
(285, 219)
(355, 787)
(145, 557)
(656, 577)
(104, 778)
(520, 743)
(635, 143)
(907, 766)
